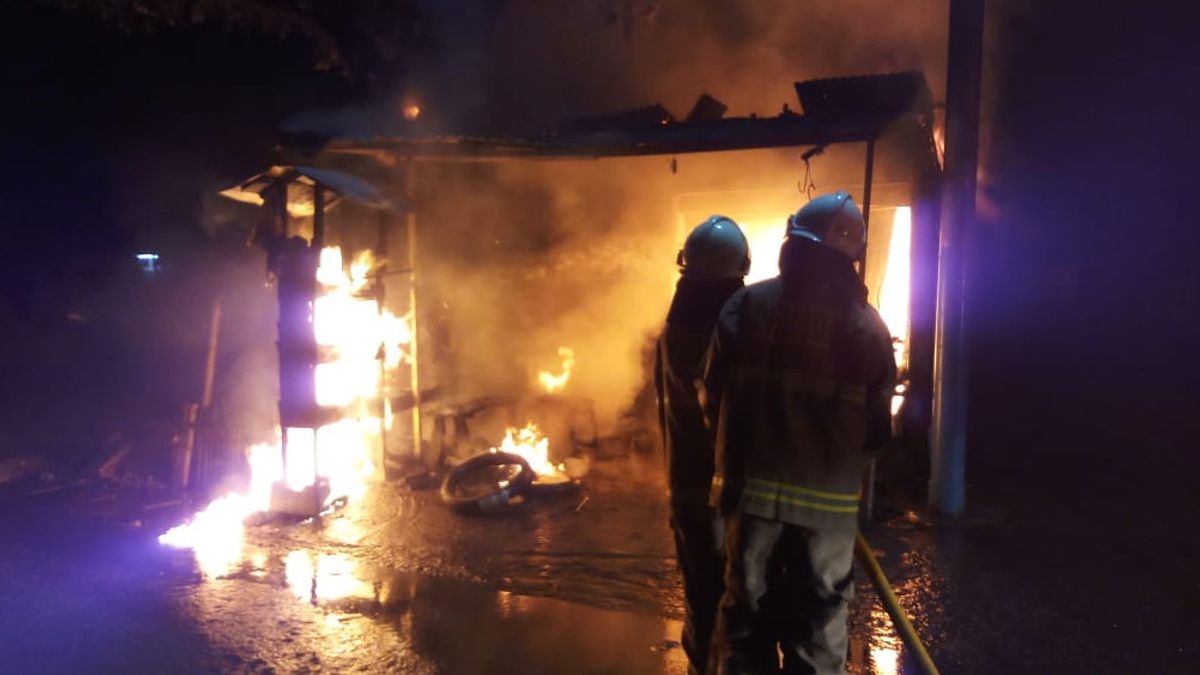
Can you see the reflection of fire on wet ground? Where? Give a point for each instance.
(312, 609)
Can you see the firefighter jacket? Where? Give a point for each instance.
(678, 360)
(798, 384)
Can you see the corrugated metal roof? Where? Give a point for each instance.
(844, 110)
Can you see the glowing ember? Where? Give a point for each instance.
(553, 383)
(353, 333)
(528, 442)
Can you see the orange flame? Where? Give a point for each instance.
(554, 383)
(528, 442)
(894, 290)
(353, 333)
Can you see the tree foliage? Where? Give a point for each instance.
(358, 38)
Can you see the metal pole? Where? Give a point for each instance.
(947, 481)
(868, 181)
(410, 218)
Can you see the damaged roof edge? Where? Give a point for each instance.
(341, 183)
(744, 133)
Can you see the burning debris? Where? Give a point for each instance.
(529, 443)
(309, 468)
(505, 475)
(341, 346)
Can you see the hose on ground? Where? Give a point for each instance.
(899, 619)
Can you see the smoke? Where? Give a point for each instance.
(522, 258)
(519, 258)
(527, 62)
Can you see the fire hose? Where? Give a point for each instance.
(899, 619)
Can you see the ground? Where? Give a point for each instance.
(581, 582)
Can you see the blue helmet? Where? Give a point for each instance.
(715, 249)
(833, 220)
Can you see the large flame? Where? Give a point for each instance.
(894, 292)
(765, 236)
(552, 382)
(350, 328)
(353, 334)
(528, 442)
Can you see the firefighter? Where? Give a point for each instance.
(713, 261)
(797, 384)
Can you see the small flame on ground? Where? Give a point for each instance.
(552, 382)
(215, 534)
(529, 443)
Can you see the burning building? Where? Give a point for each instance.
(440, 295)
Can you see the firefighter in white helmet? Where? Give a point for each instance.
(713, 261)
(797, 385)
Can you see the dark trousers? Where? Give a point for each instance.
(698, 535)
(786, 587)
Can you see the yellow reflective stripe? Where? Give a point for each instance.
(839, 496)
(802, 502)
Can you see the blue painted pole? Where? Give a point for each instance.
(947, 481)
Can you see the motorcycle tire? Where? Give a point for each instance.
(487, 482)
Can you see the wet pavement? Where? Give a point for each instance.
(580, 582)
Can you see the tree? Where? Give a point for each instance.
(365, 40)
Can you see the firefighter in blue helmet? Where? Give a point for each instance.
(797, 385)
(713, 261)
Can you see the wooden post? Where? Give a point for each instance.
(318, 238)
(410, 219)
(210, 361)
(187, 445)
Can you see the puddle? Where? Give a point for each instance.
(461, 627)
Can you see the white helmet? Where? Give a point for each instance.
(833, 220)
(716, 249)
